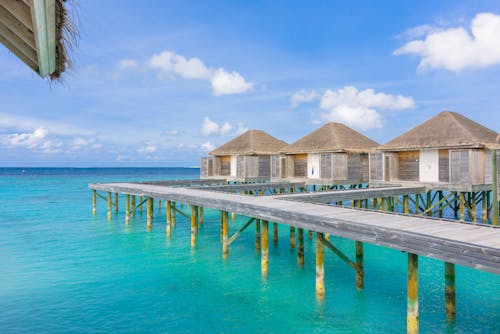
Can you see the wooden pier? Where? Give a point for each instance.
(472, 245)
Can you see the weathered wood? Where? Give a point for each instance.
(462, 206)
(412, 301)
(257, 235)
(133, 207)
(174, 214)
(450, 303)
(149, 221)
(300, 251)
(168, 212)
(292, 237)
(225, 233)
(320, 268)
(200, 215)
(275, 233)
(360, 272)
(116, 202)
(109, 206)
(264, 259)
(441, 238)
(127, 208)
(193, 226)
(94, 202)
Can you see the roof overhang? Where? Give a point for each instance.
(28, 29)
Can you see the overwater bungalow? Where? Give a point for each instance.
(245, 158)
(448, 151)
(37, 32)
(332, 154)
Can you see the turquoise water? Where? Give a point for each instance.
(64, 270)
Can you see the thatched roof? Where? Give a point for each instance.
(332, 137)
(39, 33)
(445, 130)
(252, 142)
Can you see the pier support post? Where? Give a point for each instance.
(360, 272)
(149, 220)
(116, 202)
(440, 199)
(193, 226)
(292, 237)
(200, 215)
(494, 188)
(449, 292)
(233, 216)
(132, 214)
(320, 269)
(462, 206)
(484, 208)
(257, 235)
(127, 209)
(168, 209)
(142, 206)
(473, 206)
(300, 251)
(275, 233)
(406, 204)
(94, 202)
(225, 232)
(174, 214)
(264, 254)
(109, 206)
(412, 300)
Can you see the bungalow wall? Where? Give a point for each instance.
(344, 167)
(249, 166)
(209, 167)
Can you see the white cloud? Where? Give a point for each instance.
(168, 61)
(303, 96)
(11, 121)
(123, 66)
(225, 83)
(455, 49)
(359, 108)
(36, 140)
(147, 148)
(81, 143)
(210, 127)
(207, 146)
(222, 81)
(418, 31)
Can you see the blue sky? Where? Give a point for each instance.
(160, 83)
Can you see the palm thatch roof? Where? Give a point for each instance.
(252, 142)
(331, 137)
(445, 130)
(39, 33)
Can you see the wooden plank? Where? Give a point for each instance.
(17, 27)
(33, 65)
(20, 10)
(17, 43)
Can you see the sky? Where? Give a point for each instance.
(161, 83)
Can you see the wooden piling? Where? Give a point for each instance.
(225, 232)
(257, 235)
(233, 216)
(94, 202)
(292, 237)
(473, 207)
(168, 209)
(320, 269)
(275, 233)
(116, 202)
(449, 294)
(462, 206)
(149, 221)
(127, 208)
(196, 217)
(412, 300)
(300, 251)
(440, 210)
(193, 226)
(174, 214)
(428, 203)
(494, 188)
(142, 206)
(200, 215)
(484, 208)
(132, 214)
(109, 206)
(264, 254)
(360, 273)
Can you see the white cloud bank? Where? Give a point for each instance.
(36, 140)
(303, 96)
(223, 82)
(358, 109)
(455, 49)
(210, 127)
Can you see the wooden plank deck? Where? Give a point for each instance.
(476, 246)
(254, 186)
(353, 194)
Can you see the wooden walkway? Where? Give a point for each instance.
(476, 246)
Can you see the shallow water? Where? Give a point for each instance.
(64, 270)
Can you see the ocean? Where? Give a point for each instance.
(64, 270)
